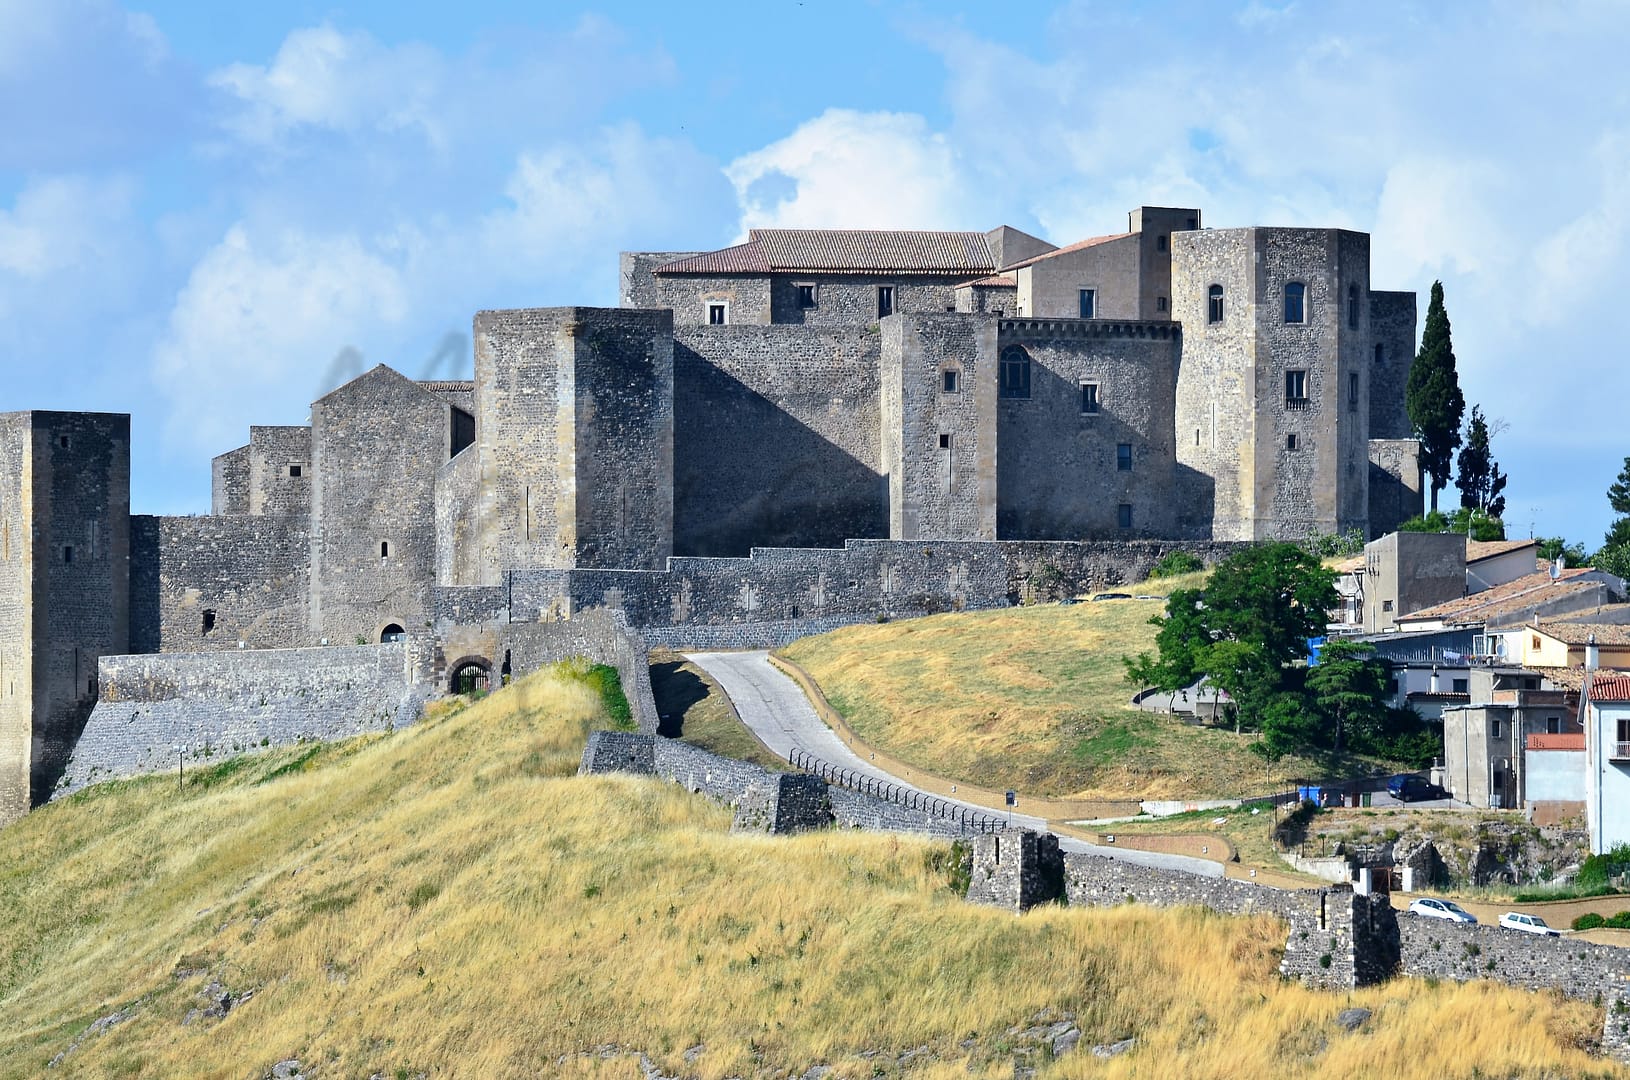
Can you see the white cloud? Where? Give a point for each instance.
(1438, 214)
(60, 223)
(847, 169)
(1585, 257)
(258, 322)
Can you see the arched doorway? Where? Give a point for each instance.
(471, 675)
(392, 632)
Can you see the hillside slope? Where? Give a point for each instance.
(450, 900)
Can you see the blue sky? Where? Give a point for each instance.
(199, 212)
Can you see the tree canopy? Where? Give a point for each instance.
(1432, 395)
(1481, 482)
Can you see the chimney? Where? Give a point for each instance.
(1434, 678)
(1593, 656)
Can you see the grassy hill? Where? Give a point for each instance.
(1035, 698)
(450, 900)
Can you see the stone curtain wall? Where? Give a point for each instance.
(688, 295)
(221, 704)
(636, 285)
(821, 586)
(775, 438)
(1445, 950)
(1058, 474)
(16, 612)
(774, 802)
(603, 637)
(252, 572)
(459, 560)
(1392, 327)
(229, 483)
(851, 299)
(272, 453)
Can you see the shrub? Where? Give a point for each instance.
(1595, 871)
(1174, 563)
(1588, 921)
(1621, 921)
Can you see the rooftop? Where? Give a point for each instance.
(839, 250)
(1067, 249)
(1488, 549)
(993, 281)
(1511, 598)
(1606, 687)
(1576, 633)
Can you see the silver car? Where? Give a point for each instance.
(1528, 924)
(1441, 909)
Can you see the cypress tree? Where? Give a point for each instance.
(1481, 481)
(1433, 396)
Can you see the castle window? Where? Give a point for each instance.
(1015, 373)
(1295, 302)
(806, 297)
(393, 632)
(1194, 223)
(1123, 515)
(1215, 312)
(209, 619)
(885, 301)
(1380, 354)
(1089, 303)
(62, 441)
(384, 549)
(1352, 307)
(1123, 457)
(948, 381)
(1352, 391)
(1296, 387)
(1089, 397)
(294, 470)
(1160, 303)
(67, 553)
(462, 433)
(1160, 242)
(718, 314)
(945, 441)
(1291, 442)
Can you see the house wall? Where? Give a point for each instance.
(1494, 570)
(1050, 289)
(1607, 778)
(1408, 572)
(1057, 470)
(1556, 784)
(1152, 223)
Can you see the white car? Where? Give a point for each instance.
(1441, 909)
(1528, 924)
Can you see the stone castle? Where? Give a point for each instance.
(807, 429)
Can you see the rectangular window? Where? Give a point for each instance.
(1296, 387)
(63, 442)
(1194, 223)
(885, 301)
(1014, 373)
(1123, 457)
(718, 314)
(209, 620)
(1352, 391)
(1089, 397)
(1386, 605)
(294, 470)
(67, 553)
(1089, 303)
(806, 296)
(1461, 686)
(1160, 303)
(1494, 729)
(1553, 725)
(1291, 441)
(945, 442)
(948, 382)
(1123, 515)
(1295, 302)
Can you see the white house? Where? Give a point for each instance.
(1607, 760)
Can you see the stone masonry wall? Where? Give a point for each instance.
(1392, 353)
(851, 299)
(939, 449)
(16, 612)
(250, 573)
(805, 400)
(1058, 475)
(636, 286)
(229, 482)
(220, 704)
(688, 296)
(275, 455)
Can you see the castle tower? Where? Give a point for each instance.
(64, 586)
(574, 437)
(1273, 390)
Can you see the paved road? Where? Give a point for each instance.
(775, 707)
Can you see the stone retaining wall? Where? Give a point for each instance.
(220, 704)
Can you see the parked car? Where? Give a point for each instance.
(1441, 909)
(1528, 924)
(1113, 596)
(1406, 788)
(1147, 596)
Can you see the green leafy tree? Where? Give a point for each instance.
(1618, 497)
(1474, 524)
(1251, 623)
(1552, 546)
(1432, 395)
(1481, 482)
(1350, 687)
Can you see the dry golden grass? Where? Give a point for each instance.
(696, 710)
(451, 900)
(1035, 698)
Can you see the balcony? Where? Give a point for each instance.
(1619, 751)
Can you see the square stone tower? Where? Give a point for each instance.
(64, 586)
(1273, 390)
(574, 433)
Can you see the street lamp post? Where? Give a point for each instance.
(180, 766)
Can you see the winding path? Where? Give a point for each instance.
(775, 708)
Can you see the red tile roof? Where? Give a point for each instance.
(1488, 549)
(1079, 245)
(1574, 741)
(1614, 687)
(839, 250)
(995, 281)
(1576, 633)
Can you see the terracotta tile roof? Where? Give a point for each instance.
(1510, 598)
(1540, 741)
(1079, 245)
(997, 281)
(1488, 549)
(1562, 678)
(1614, 687)
(839, 250)
(1576, 633)
(448, 386)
